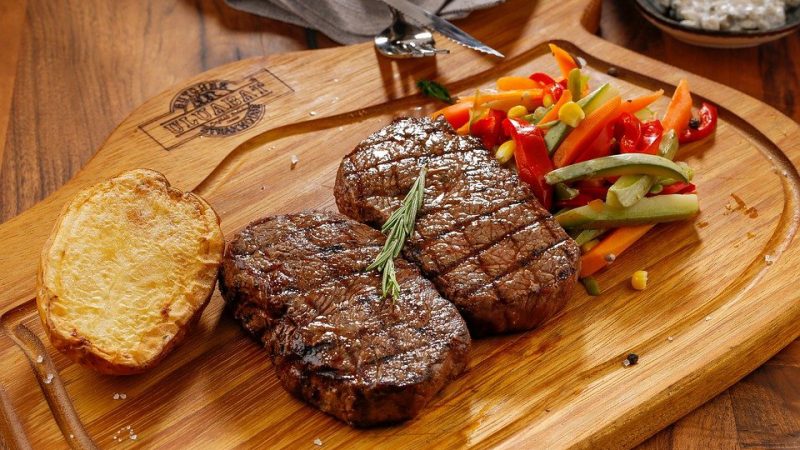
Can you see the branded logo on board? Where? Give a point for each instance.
(215, 108)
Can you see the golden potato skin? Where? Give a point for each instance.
(129, 267)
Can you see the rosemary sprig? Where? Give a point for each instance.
(399, 226)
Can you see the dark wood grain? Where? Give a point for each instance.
(84, 65)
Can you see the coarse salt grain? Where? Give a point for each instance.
(769, 259)
(312, 113)
(39, 359)
(49, 378)
(134, 437)
(318, 442)
(295, 160)
(123, 396)
(116, 396)
(708, 318)
(670, 338)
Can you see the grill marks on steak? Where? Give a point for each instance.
(298, 284)
(481, 236)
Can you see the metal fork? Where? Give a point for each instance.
(404, 40)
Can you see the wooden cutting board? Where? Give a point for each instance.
(721, 300)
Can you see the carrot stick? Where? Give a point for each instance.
(553, 113)
(457, 114)
(563, 59)
(614, 244)
(586, 132)
(511, 83)
(639, 103)
(679, 111)
(516, 94)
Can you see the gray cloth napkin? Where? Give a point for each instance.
(350, 21)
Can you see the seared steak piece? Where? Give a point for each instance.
(481, 236)
(297, 283)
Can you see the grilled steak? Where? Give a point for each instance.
(481, 236)
(297, 283)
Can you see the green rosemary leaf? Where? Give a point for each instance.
(397, 229)
(435, 90)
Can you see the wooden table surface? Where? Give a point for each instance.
(71, 70)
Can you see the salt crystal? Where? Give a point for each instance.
(769, 259)
(49, 378)
(116, 396)
(39, 359)
(318, 442)
(670, 338)
(312, 113)
(625, 362)
(610, 257)
(335, 80)
(123, 396)
(128, 427)
(295, 160)
(134, 437)
(71, 436)
(708, 318)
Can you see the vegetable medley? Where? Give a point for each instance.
(604, 166)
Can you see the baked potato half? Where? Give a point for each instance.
(129, 267)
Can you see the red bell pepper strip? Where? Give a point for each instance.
(708, 123)
(556, 90)
(542, 78)
(579, 200)
(595, 192)
(489, 128)
(603, 145)
(532, 159)
(628, 133)
(678, 188)
(651, 137)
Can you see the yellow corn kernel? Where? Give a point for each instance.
(589, 245)
(517, 111)
(505, 151)
(639, 280)
(547, 100)
(571, 114)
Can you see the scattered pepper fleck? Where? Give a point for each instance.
(632, 359)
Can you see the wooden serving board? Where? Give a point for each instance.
(722, 298)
